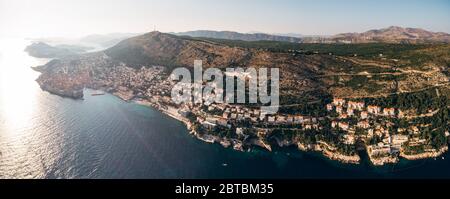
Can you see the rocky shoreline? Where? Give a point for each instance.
(74, 94)
(333, 123)
(75, 91)
(330, 114)
(238, 145)
(331, 154)
(430, 154)
(380, 161)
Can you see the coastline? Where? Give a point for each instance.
(238, 145)
(431, 154)
(380, 161)
(331, 154)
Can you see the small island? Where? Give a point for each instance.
(44, 50)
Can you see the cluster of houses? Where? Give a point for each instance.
(226, 115)
(351, 116)
(128, 77)
(390, 144)
(347, 109)
(146, 82)
(351, 109)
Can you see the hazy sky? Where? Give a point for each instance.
(45, 18)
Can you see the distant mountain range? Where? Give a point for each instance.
(240, 36)
(393, 34)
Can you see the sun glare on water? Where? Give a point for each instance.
(17, 86)
(19, 108)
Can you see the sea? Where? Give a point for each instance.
(103, 137)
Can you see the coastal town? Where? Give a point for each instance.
(350, 125)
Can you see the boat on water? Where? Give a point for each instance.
(97, 93)
(224, 164)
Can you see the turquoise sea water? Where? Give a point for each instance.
(46, 136)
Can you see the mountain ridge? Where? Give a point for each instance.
(392, 34)
(240, 36)
(395, 34)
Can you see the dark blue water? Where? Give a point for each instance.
(46, 136)
(108, 138)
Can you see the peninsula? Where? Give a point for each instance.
(389, 100)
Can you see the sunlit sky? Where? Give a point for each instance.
(71, 18)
